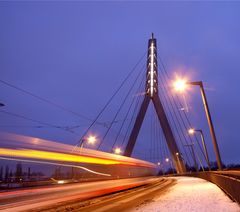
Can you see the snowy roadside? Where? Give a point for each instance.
(191, 194)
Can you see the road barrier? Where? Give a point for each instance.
(230, 185)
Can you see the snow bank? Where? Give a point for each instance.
(191, 194)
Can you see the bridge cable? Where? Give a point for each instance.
(177, 125)
(186, 129)
(36, 121)
(172, 113)
(136, 108)
(157, 139)
(166, 105)
(109, 101)
(173, 109)
(180, 115)
(44, 100)
(126, 115)
(119, 109)
(40, 126)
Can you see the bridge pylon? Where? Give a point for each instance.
(151, 94)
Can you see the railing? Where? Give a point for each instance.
(230, 185)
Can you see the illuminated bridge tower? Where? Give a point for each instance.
(151, 94)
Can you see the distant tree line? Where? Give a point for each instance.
(70, 173)
(7, 175)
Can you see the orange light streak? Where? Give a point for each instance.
(44, 155)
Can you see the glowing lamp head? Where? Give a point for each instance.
(158, 163)
(167, 159)
(180, 85)
(91, 139)
(117, 151)
(191, 131)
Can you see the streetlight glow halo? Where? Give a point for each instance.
(191, 131)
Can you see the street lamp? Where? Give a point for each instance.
(90, 140)
(117, 151)
(179, 87)
(168, 160)
(193, 155)
(191, 132)
(210, 123)
(177, 154)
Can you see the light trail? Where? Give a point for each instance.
(58, 164)
(55, 156)
(31, 148)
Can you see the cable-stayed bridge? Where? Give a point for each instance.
(148, 113)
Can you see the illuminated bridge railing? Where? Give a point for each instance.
(229, 184)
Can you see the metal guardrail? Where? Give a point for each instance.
(230, 185)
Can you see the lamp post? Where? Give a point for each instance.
(193, 155)
(192, 131)
(180, 85)
(210, 123)
(178, 155)
(171, 165)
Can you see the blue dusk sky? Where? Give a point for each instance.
(76, 54)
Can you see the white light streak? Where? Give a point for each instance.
(58, 164)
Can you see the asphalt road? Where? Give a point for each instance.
(118, 201)
(51, 198)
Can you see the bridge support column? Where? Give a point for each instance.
(152, 95)
(137, 126)
(172, 145)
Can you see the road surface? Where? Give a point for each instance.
(46, 198)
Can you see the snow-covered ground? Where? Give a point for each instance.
(191, 194)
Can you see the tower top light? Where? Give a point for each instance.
(152, 81)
